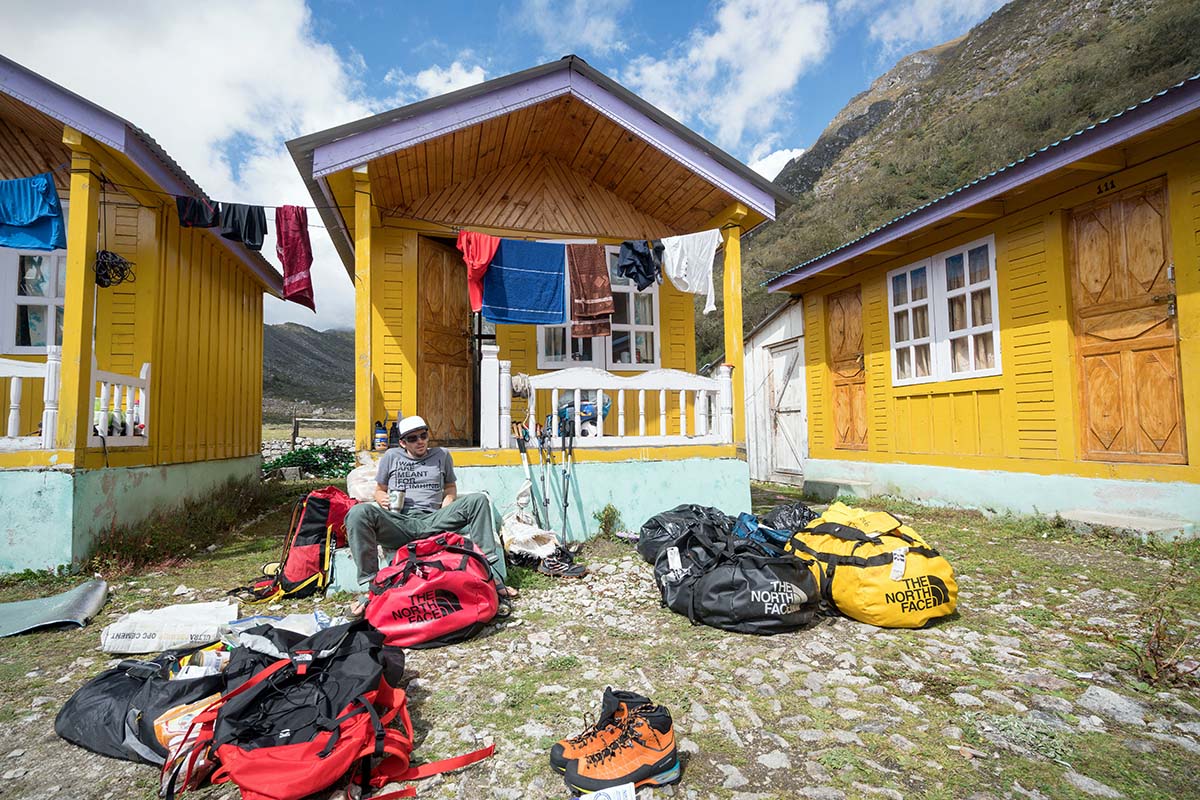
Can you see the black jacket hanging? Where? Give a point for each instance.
(243, 223)
(196, 212)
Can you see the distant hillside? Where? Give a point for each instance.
(305, 370)
(1033, 72)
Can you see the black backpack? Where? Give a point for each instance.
(736, 585)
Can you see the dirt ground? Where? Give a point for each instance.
(1041, 686)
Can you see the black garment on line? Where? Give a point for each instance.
(641, 261)
(196, 212)
(243, 223)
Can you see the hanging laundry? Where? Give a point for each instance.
(591, 292)
(641, 262)
(688, 262)
(478, 250)
(294, 249)
(243, 223)
(31, 216)
(525, 284)
(197, 212)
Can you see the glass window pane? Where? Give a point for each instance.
(58, 316)
(903, 364)
(554, 343)
(60, 273)
(901, 326)
(621, 302)
(31, 326)
(613, 277)
(33, 279)
(955, 279)
(621, 351)
(643, 309)
(960, 357)
(917, 278)
(921, 360)
(644, 350)
(900, 289)
(958, 313)
(581, 349)
(978, 260)
(981, 307)
(920, 322)
(985, 358)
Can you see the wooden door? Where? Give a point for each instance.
(844, 314)
(445, 373)
(789, 438)
(1127, 339)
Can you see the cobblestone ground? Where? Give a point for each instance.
(1032, 690)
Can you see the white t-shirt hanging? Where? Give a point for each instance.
(688, 262)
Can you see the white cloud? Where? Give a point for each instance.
(195, 82)
(735, 74)
(922, 23)
(772, 163)
(565, 27)
(436, 80)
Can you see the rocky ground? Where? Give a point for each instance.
(1040, 687)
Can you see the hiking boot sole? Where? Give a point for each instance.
(658, 775)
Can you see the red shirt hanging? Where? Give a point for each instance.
(295, 253)
(478, 250)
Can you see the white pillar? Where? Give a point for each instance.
(489, 396)
(14, 406)
(50, 397)
(725, 402)
(505, 403)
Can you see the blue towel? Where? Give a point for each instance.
(31, 216)
(524, 285)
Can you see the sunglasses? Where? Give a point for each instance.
(413, 438)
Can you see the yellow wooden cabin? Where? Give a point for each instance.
(559, 152)
(1029, 342)
(122, 401)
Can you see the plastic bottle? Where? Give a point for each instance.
(381, 436)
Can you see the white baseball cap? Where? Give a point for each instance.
(410, 424)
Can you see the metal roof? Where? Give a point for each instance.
(1154, 111)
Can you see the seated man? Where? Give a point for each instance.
(431, 505)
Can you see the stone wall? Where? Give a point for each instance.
(274, 448)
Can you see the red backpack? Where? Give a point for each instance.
(437, 591)
(318, 527)
(302, 723)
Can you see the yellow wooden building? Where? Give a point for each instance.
(559, 152)
(119, 401)
(1030, 341)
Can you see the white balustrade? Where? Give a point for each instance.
(17, 371)
(710, 401)
(122, 404)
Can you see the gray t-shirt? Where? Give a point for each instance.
(423, 481)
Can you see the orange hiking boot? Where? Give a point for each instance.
(613, 710)
(643, 754)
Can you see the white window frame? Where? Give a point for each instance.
(10, 260)
(941, 366)
(602, 355)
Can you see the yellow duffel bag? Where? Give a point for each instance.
(873, 569)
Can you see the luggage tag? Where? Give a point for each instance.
(674, 565)
(623, 792)
(899, 562)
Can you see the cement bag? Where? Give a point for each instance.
(874, 569)
(183, 625)
(360, 483)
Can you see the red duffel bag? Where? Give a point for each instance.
(437, 591)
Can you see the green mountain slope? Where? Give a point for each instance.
(305, 370)
(1035, 71)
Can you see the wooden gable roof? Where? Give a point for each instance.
(559, 149)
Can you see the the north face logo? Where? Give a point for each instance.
(429, 606)
(782, 598)
(920, 594)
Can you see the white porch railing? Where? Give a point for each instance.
(16, 372)
(690, 409)
(121, 404)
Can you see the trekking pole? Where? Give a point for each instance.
(568, 447)
(545, 456)
(529, 476)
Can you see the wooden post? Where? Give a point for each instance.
(75, 398)
(50, 392)
(295, 430)
(364, 390)
(733, 316)
(725, 403)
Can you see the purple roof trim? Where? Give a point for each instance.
(694, 158)
(1150, 113)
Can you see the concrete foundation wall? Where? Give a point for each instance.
(1018, 492)
(50, 518)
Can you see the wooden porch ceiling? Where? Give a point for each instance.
(31, 143)
(589, 175)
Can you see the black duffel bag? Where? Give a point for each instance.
(663, 529)
(791, 517)
(113, 714)
(735, 585)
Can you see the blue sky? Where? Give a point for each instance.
(223, 84)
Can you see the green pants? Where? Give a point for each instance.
(368, 525)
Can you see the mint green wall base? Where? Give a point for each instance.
(51, 518)
(1018, 492)
(638, 489)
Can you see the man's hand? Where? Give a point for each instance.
(451, 491)
(381, 495)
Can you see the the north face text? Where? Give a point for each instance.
(781, 598)
(920, 594)
(429, 606)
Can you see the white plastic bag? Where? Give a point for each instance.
(184, 625)
(360, 483)
(520, 532)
